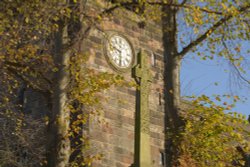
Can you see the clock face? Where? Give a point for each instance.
(119, 52)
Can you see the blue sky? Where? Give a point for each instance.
(216, 76)
(208, 77)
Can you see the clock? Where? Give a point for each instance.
(119, 52)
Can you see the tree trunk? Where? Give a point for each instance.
(172, 63)
(172, 66)
(59, 142)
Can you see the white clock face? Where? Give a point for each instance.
(119, 52)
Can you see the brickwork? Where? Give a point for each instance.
(115, 137)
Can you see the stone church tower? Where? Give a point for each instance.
(115, 48)
(133, 128)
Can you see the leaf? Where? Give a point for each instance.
(26, 20)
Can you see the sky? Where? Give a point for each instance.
(211, 77)
(207, 77)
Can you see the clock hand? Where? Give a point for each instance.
(120, 59)
(116, 48)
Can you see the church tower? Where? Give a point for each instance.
(133, 130)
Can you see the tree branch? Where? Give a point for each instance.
(18, 65)
(234, 66)
(93, 21)
(182, 5)
(183, 2)
(209, 31)
(239, 74)
(27, 81)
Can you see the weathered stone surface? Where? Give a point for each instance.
(117, 138)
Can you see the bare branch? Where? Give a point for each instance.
(209, 31)
(239, 74)
(234, 66)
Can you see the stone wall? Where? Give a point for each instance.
(114, 137)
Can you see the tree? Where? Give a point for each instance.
(40, 49)
(20, 144)
(209, 26)
(47, 34)
(211, 135)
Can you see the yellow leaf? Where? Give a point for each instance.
(27, 20)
